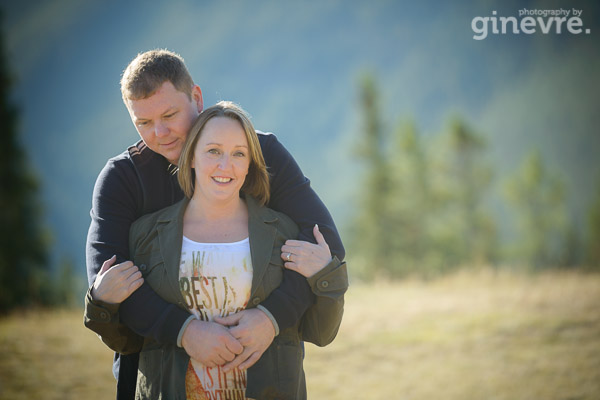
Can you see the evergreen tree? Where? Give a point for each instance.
(23, 249)
(410, 205)
(420, 212)
(538, 199)
(68, 288)
(464, 231)
(372, 231)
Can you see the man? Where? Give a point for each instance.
(163, 102)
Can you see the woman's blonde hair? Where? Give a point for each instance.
(257, 180)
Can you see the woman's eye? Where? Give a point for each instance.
(240, 154)
(213, 151)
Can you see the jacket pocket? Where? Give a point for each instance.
(278, 374)
(289, 359)
(161, 373)
(149, 374)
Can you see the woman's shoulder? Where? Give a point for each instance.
(279, 220)
(149, 222)
(284, 223)
(156, 216)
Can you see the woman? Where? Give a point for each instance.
(218, 252)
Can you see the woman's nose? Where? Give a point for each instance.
(224, 162)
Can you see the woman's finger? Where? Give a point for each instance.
(291, 266)
(284, 256)
(290, 257)
(291, 249)
(319, 236)
(295, 243)
(305, 249)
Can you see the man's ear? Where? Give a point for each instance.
(197, 97)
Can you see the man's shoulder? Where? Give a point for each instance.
(117, 171)
(133, 164)
(270, 146)
(136, 155)
(263, 133)
(265, 137)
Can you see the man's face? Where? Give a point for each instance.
(164, 119)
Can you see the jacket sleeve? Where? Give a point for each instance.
(103, 319)
(292, 195)
(322, 320)
(115, 205)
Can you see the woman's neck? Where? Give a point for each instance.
(216, 221)
(202, 209)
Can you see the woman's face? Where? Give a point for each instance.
(221, 160)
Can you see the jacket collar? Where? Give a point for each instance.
(261, 231)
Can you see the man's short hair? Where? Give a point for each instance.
(146, 73)
(257, 180)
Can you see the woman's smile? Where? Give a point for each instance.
(221, 179)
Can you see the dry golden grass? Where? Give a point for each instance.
(51, 355)
(468, 336)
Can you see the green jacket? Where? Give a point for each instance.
(155, 241)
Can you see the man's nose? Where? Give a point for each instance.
(160, 129)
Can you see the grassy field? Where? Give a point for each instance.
(468, 336)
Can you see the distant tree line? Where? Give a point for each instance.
(425, 209)
(25, 275)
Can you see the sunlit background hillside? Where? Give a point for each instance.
(434, 152)
(296, 67)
